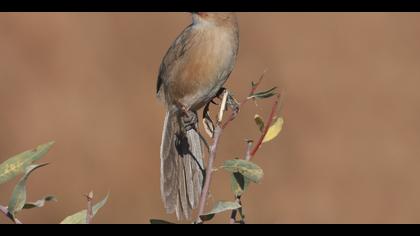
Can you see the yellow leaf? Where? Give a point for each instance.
(274, 130)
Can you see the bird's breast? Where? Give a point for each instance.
(205, 67)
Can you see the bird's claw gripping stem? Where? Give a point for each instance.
(189, 120)
(232, 103)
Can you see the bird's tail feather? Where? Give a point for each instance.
(182, 167)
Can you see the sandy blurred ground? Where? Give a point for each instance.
(350, 148)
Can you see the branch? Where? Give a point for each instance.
(267, 127)
(249, 144)
(212, 156)
(209, 171)
(234, 114)
(89, 215)
(219, 127)
(250, 152)
(4, 210)
(232, 219)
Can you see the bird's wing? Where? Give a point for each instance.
(172, 56)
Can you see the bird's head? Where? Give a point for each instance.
(216, 18)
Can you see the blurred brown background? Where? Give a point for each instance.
(349, 152)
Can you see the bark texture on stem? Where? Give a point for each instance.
(89, 214)
(209, 171)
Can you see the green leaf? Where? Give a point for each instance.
(40, 203)
(18, 199)
(274, 130)
(264, 94)
(259, 121)
(80, 217)
(160, 222)
(239, 184)
(18, 164)
(218, 208)
(248, 169)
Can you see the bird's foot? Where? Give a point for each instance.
(232, 103)
(189, 120)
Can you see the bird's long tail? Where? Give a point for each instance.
(182, 168)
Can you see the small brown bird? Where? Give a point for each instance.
(192, 72)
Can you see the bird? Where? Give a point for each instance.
(192, 72)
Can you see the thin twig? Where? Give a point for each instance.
(212, 156)
(4, 210)
(234, 114)
(250, 152)
(222, 107)
(213, 148)
(249, 144)
(89, 215)
(232, 219)
(209, 171)
(267, 127)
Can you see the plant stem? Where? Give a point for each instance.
(213, 148)
(209, 171)
(234, 114)
(232, 219)
(266, 128)
(89, 215)
(4, 210)
(249, 144)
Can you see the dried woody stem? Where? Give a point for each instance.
(249, 144)
(234, 114)
(89, 215)
(4, 210)
(232, 219)
(219, 127)
(212, 156)
(251, 151)
(268, 123)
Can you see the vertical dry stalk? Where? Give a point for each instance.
(212, 156)
(216, 139)
(89, 215)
